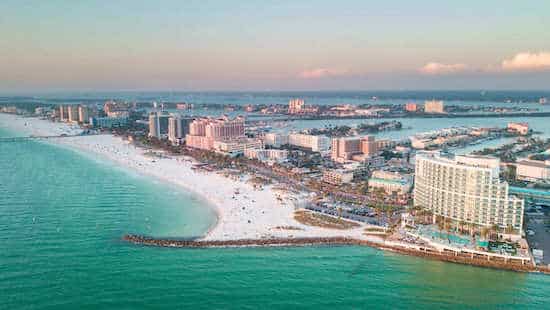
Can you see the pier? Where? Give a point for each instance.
(30, 138)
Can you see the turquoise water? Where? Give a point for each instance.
(62, 216)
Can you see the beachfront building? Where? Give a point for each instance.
(72, 112)
(533, 170)
(83, 114)
(390, 182)
(434, 106)
(466, 189)
(310, 142)
(109, 122)
(275, 139)
(204, 132)
(63, 113)
(178, 128)
(237, 146)
(337, 176)
(266, 155)
(158, 124)
(520, 128)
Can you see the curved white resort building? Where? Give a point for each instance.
(466, 188)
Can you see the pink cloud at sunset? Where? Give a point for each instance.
(528, 61)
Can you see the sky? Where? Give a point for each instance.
(191, 45)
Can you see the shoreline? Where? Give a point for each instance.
(241, 211)
(250, 218)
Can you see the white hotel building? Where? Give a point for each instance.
(466, 188)
(312, 142)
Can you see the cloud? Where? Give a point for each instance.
(435, 68)
(321, 73)
(528, 61)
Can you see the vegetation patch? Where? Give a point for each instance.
(321, 220)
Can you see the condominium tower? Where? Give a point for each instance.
(203, 132)
(178, 127)
(466, 189)
(158, 124)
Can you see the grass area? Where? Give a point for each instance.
(321, 220)
(374, 229)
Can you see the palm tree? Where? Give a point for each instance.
(509, 229)
(484, 232)
(495, 229)
(462, 224)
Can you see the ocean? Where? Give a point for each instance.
(62, 216)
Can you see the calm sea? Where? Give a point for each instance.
(62, 216)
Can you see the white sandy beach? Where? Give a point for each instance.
(251, 214)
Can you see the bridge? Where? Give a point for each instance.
(530, 193)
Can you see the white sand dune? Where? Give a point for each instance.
(250, 214)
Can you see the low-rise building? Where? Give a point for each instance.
(390, 182)
(109, 122)
(520, 128)
(237, 146)
(533, 170)
(337, 176)
(266, 155)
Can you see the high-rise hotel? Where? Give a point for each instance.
(203, 132)
(466, 189)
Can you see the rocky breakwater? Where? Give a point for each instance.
(174, 243)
